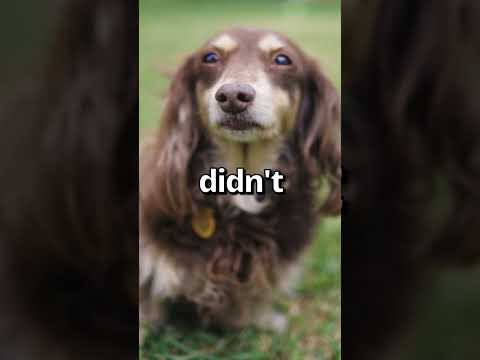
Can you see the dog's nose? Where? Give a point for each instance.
(235, 98)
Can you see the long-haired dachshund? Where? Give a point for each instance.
(247, 99)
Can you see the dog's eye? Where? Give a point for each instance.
(210, 58)
(282, 60)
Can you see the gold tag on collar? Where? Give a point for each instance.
(203, 223)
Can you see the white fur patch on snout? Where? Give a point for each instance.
(266, 109)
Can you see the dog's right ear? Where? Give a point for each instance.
(318, 135)
(165, 161)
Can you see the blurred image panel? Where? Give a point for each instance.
(69, 180)
(411, 174)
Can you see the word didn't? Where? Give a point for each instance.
(219, 182)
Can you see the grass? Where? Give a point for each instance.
(168, 32)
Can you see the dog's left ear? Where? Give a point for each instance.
(318, 135)
(165, 165)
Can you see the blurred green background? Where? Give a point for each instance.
(169, 30)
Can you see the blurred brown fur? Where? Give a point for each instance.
(411, 156)
(68, 211)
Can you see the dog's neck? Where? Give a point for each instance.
(254, 157)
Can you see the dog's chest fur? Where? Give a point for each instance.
(238, 268)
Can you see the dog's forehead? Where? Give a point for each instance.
(249, 39)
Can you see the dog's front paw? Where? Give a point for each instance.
(272, 321)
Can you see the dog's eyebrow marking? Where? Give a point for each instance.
(270, 43)
(225, 42)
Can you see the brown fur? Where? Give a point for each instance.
(68, 226)
(410, 155)
(243, 260)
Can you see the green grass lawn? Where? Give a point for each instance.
(168, 32)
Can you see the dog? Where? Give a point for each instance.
(248, 99)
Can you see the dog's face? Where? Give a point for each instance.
(257, 96)
(249, 84)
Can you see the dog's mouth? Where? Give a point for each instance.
(239, 122)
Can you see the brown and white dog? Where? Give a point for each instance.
(247, 99)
